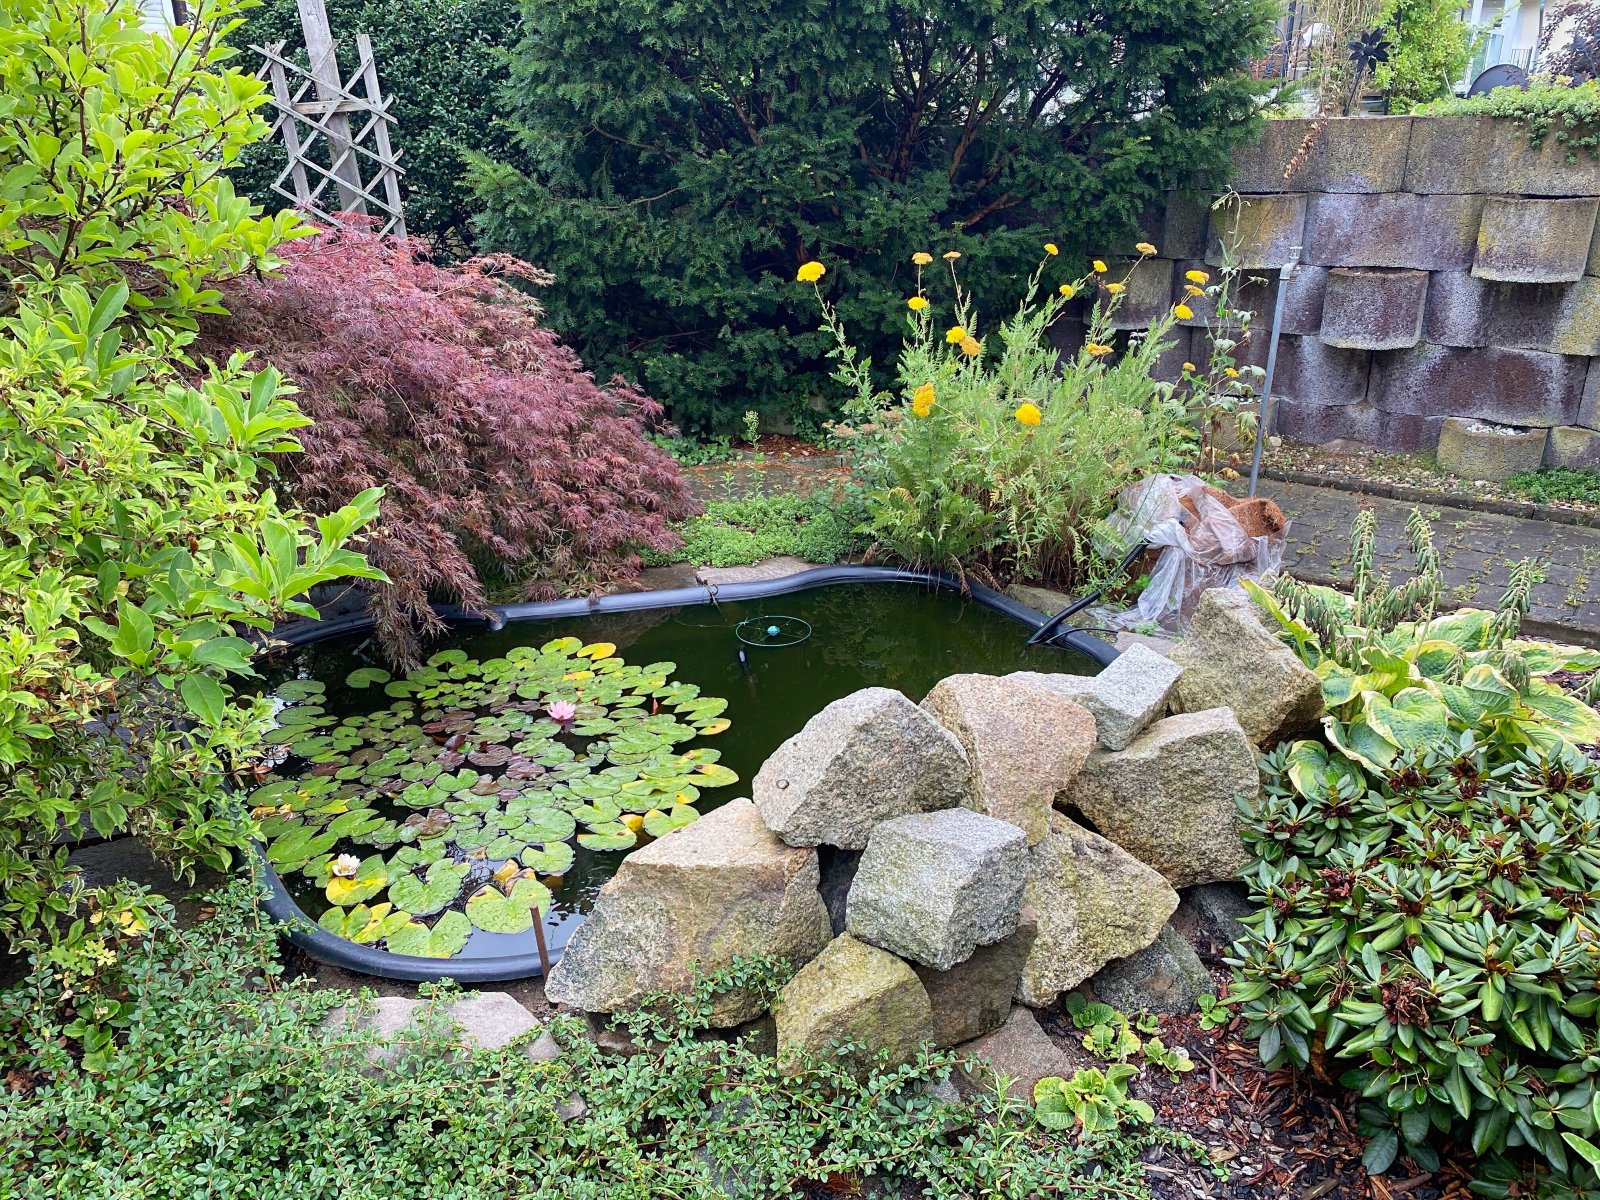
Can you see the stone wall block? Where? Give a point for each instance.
(1180, 229)
(1511, 387)
(1394, 229)
(1573, 447)
(1456, 155)
(1474, 450)
(1302, 305)
(1535, 241)
(1149, 291)
(1589, 406)
(1365, 423)
(1458, 311)
(1373, 309)
(1365, 154)
(1559, 318)
(1315, 373)
(1269, 230)
(1260, 165)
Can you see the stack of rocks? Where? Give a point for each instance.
(1004, 841)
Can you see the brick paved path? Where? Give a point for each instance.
(1476, 551)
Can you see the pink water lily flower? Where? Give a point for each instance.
(562, 710)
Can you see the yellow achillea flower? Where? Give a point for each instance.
(916, 304)
(1191, 290)
(1144, 248)
(954, 334)
(1067, 290)
(922, 258)
(810, 272)
(1196, 276)
(1189, 367)
(971, 346)
(1051, 249)
(1097, 350)
(1231, 373)
(951, 255)
(1182, 311)
(922, 400)
(1100, 267)
(1116, 289)
(1028, 414)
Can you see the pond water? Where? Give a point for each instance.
(899, 635)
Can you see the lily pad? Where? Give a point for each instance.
(365, 677)
(494, 911)
(370, 878)
(659, 824)
(430, 893)
(445, 940)
(554, 859)
(292, 850)
(364, 925)
(615, 836)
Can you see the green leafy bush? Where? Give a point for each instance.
(1428, 879)
(143, 534)
(673, 164)
(734, 533)
(1558, 483)
(442, 64)
(1432, 46)
(215, 1049)
(996, 455)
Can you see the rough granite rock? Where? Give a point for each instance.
(1018, 1051)
(1094, 902)
(705, 894)
(854, 993)
(974, 997)
(1171, 798)
(1231, 659)
(1167, 976)
(933, 887)
(1124, 698)
(1216, 912)
(1024, 743)
(863, 759)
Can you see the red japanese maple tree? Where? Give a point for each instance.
(507, 469)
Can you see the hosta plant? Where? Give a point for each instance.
(464, 795)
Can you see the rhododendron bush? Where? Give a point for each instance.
(507, 469)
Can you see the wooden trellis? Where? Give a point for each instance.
(337, 139)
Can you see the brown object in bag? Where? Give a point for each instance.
(1258, 517)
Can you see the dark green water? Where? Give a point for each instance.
(897, 635)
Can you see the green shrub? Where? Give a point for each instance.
(673, 164)
(442, 64)
(733, 533)
(996, 455)
(1432, 46)
(222, 1081)
(1558, 483)
(143, 534)
(1429, 878)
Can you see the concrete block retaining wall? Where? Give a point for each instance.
(1447, 268)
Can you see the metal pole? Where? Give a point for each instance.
(1272, 365)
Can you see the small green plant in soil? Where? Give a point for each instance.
(733, 533)
(1428, 878)
(212, 1048)
(693, 452)
(1558, 483)
(465, 793)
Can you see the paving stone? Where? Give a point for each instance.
(1535, 241)
(1396, 229)
(1373, 309)
(933, 887)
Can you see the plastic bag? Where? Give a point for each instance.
(1202, 543)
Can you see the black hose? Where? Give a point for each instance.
(1047, 631)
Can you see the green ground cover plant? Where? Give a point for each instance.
(1558, 483)
(1547, 108)
(1428, 878)
(673, 165)
(731, 533)
(143, 529)
(220, 1078)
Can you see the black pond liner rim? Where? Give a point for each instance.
(311, 939)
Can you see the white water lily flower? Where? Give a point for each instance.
(346, 865)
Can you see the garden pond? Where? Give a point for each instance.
(434, 814)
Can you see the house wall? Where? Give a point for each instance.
(1444, 267)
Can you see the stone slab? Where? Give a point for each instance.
(1535, 241)
(1393, 229)
(1512, 387)
(1373, 308)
